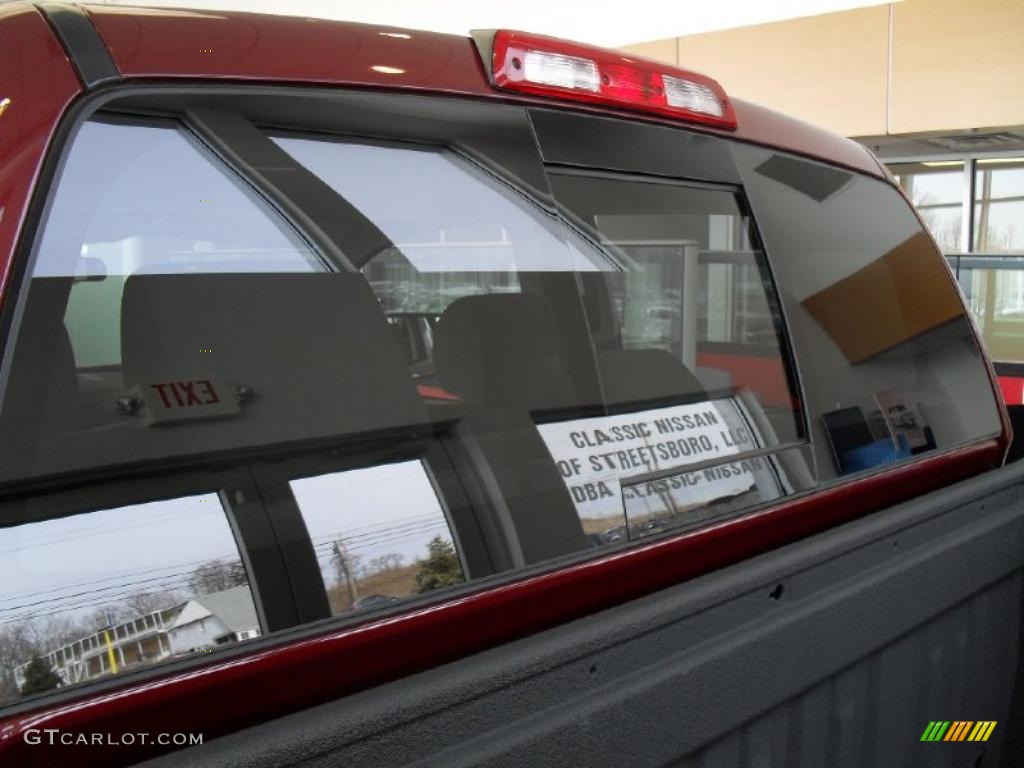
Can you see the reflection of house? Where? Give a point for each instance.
(208, 620)
(214, 619)
(142, 640)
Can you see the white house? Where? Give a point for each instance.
(214, 619)
(135, 642)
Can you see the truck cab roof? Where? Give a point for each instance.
(185, 43)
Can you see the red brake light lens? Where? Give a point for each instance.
(546, 66)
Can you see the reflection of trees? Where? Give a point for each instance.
(35, 636)
(143, 603)
(351, 572)
(35, 633)
(20, 641)
(131, 607)
(945, 230)
(216, 576)
(39, 677)
(441, 568)
(386, 575)
(992, 238)
(388, 562)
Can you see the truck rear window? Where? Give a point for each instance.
(293, 368)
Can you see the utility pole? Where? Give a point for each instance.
(350, 582)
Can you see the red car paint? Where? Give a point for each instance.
(260, 685)
(38, 84)
(764, 375)
(1012, 388)
(434, 393)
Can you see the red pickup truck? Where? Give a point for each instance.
(371, 396)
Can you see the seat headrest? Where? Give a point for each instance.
(504, 350)
(488, 348)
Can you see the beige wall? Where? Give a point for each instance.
(953, 64)
(957, 64)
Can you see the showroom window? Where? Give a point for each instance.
(999, 205)
(936, 190)
(984, 241)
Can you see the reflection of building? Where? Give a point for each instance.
(933, 87)
(141, 640)
(214, 619)
(206, 621)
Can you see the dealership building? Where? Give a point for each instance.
(936, 89)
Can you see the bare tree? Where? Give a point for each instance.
(217, 575)
(389, 562)
(8, 688)
(22, 641)
(103, 616)
(54, 631)
(17, 645)
(143, 603)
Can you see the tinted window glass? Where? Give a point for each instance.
(112, 591)
(467, 363)
(612, 325)
(198, 218)
(372, 550)
(155, 334)
(888, 355)
(692, 282)
(495, 354)
(457, 230)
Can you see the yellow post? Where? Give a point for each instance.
(110, 652)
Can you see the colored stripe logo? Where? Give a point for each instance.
(958, 730)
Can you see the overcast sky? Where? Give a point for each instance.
(600, 23)
(72, 565)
